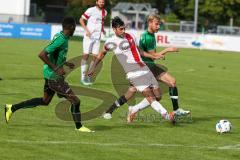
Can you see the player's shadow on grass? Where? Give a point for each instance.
(11, 94)
(122, 126)
(23, 78)
(107, 84)
(36, 125)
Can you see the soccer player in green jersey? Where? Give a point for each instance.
(54, 57)
(148, 44)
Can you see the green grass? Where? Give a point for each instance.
(208, 83)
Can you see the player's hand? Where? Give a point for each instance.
(60, 71)
(161, 56)
(172, 49)
(70, 65)
(88, 34)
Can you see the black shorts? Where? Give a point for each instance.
(57, 86)
(157, 70)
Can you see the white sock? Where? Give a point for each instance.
(159, 108)
(141, 105)
(83, 68)
(174, 97)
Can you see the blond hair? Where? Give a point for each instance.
(152, 17)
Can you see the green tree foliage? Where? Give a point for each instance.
(77, 7)
(210, 11)
(171, 17)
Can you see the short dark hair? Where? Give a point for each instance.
(117, 22)
(68, 22)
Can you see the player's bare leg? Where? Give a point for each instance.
(173, 92)
(89, 80)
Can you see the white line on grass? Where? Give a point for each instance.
(228, 147)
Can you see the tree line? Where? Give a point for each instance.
(211, 12)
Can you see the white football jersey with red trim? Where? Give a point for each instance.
(126, 52)
(95, 21)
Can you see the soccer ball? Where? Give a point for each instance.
(223, 126)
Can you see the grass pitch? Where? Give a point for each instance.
(208, 83)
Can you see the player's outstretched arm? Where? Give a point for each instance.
(96, 62)
(43, 56)
(165, 51)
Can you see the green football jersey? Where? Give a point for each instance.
(147, 43)
(57, 52)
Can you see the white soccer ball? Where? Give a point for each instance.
(223, 126)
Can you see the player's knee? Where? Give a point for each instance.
(85, 56)
(95, 56)
(76, 102)
(151, 99)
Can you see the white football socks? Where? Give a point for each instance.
(160, 109)
(141, 105)
(155, 105)
(83, 68)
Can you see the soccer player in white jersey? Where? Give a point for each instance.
(148, 44)
(91, 42)
(128, 54)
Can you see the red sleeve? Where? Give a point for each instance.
(87, 13)
(85, 16)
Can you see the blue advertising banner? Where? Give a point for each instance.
(29, 31)
(8, 30)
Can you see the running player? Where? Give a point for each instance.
(124, 47)
(91, 42)
(148, 44)
(54, 57)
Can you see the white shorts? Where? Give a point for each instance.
(143, 81)
(91, 45)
